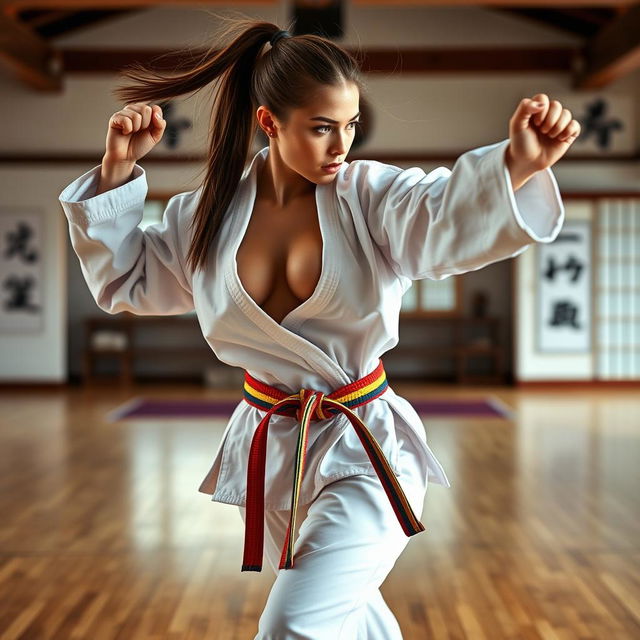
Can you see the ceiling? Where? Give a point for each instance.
(609, 33)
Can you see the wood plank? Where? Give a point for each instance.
(396, 60)
(29, 57)
(104, 534)
(12, 7)
(613, 52)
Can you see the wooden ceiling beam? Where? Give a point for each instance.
(14, 7)
(612, 53)
(43, 18)
(596, 17)
(468, 59)
(487, 4)
(392, 61)
(583, 23)
(31, 59)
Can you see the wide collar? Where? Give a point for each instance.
(286, 332)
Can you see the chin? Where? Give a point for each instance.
(326, 179)
(321, 178)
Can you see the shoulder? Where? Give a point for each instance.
(187, 198)
(179, 216)
(364, 177)
(182, 206)
(358, 171)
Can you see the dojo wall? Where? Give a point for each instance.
(529, 363)
(413, 113)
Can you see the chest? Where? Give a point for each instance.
(279, 259)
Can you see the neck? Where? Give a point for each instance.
(280, 185)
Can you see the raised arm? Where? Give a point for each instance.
(126, 268)
(449, 222)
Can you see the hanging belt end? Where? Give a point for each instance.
(251, 567)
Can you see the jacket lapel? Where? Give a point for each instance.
(285, 333)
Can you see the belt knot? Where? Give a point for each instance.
(318, 414)
(306, 405)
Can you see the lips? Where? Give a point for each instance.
(333, 164)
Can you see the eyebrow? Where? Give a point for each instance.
(323, 119)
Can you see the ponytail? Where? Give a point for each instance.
(247, 79)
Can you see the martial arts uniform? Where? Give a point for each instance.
(382, 227)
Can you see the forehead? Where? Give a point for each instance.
(336, 102)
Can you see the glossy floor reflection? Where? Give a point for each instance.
(104, 534)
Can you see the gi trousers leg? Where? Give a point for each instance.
(349, 539)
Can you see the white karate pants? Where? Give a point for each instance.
(349, 539)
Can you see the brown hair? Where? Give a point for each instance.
(280, 79)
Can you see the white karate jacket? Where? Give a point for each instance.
(382, 227)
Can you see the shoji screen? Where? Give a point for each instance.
(617, 299)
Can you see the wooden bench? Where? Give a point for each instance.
(132, 327)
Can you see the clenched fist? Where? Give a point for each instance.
(133, 132)
(540, 133)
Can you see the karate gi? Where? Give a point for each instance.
(382, 228)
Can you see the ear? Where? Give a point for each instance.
(265, 119)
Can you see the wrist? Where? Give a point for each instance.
(113, 175)
(116, 166)
(520, 173)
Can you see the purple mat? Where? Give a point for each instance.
(141, 408)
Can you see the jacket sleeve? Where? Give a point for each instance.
(449, 222)
(126, 268)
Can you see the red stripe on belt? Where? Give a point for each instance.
(308, 405)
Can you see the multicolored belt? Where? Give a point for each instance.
(308, 405)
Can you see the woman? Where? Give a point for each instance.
(296, 269)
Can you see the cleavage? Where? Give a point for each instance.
(279, 259)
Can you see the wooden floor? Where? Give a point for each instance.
(104, 535)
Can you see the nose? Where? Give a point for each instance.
(340, 145)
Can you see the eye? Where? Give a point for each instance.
(326, 126)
